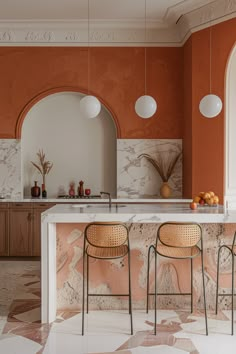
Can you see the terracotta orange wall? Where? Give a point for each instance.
(117, 78)
(207, 163)
(187, 137)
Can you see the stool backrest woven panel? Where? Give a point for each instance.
(179, 234)
(106, 234)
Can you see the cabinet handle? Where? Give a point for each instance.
(29, 216)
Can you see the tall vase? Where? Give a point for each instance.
(165, 190)
(44, 192)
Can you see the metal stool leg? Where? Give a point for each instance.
(204, 293)
(191, 261)
(83, 293)
(232, 314)
(87, 283)
(130, 297)
(155, 321)
(148, 269)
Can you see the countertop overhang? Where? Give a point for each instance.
(140, 213)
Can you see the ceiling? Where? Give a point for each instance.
(111, 22)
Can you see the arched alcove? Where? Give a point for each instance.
(230, 129)
(80, 148)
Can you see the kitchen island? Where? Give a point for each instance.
(62, 249)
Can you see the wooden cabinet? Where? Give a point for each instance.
(4, 234)
(20, 229)
(36, 234)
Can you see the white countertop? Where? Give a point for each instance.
(139, 213)
(94, 200)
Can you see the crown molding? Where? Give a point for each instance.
(205, 16)
(119, 32)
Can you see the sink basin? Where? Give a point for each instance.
(99, 206)
(107, 206)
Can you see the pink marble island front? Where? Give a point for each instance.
(62, 252)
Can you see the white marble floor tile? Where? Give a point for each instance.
(61, 343)
(10, 344)
(214, 343)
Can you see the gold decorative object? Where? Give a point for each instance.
(44, 167)
(165, 168)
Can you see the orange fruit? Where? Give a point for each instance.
(196, 199)
(215, 199)
(206, 196)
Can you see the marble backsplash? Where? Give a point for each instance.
(136, 177)
(10, 168)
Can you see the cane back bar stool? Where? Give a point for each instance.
(179, 241)
(105, 241)
(232, 250)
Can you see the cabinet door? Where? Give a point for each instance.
(4, 247)
(20, 230)
(36, 236)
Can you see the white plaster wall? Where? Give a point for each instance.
(80, 149)
(230, 129)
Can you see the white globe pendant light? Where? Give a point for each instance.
(145, 106)
(210, 106)
(89, 105)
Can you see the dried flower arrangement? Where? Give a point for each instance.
(163, 166)
(44, 167)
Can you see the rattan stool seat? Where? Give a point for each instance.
(178, 252)
(107, 252)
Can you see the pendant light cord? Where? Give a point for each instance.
(145, 51)
(210, 54)
(88, 46)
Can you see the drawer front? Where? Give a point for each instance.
(22, 205)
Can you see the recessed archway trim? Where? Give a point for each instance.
(51, 91)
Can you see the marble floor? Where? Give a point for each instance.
(21, 332)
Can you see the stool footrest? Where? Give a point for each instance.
(107, 294)
(169, 294)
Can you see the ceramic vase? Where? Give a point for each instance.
(35, 190)
(165, 190)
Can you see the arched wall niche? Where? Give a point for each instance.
(51, 91)
(230, 129)
(80, 149)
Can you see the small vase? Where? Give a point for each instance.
(35, 190)
(44, 192)
(165, 190)
(72, 189)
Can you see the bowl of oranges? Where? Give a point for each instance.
(205, 199)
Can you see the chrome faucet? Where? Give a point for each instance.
(109, 196)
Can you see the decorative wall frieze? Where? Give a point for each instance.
(174, 30)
